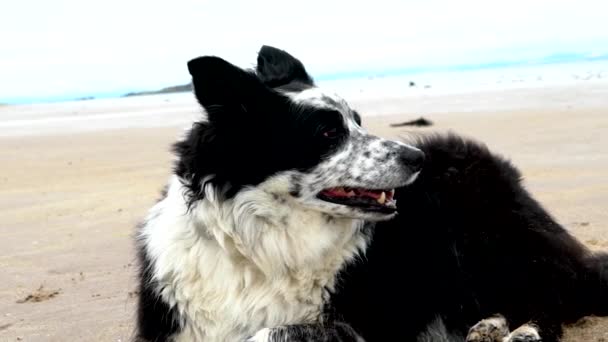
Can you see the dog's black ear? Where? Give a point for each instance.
(278, 68)
(223, 88)
(217, 82)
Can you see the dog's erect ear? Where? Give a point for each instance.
(220, 86)
(278, 68)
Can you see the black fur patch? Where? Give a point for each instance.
(156, 321)
(277, 68)
(357, 117)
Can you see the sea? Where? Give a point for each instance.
(415, 92)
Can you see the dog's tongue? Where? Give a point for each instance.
(375, 194)
(338, 192)
(342, 192)
(351, 192)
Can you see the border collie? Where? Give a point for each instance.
(279, 224)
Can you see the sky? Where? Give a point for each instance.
(64, 49)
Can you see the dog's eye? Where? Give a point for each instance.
(331, 133)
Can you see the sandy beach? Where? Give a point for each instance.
(77, 177)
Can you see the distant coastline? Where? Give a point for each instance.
(563, 58)
(417, 75)
(168, 90)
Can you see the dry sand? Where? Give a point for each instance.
(69, 203)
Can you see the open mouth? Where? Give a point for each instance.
(366, 199)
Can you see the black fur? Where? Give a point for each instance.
(156, 321)
(469, 242)
(277, 68)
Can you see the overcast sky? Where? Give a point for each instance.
(64, 48)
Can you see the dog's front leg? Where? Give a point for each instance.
(334, 332)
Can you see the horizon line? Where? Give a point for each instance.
(344, 75)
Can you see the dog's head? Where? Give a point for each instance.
(273, 130)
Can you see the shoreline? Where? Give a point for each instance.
(498, 76)
(180, 109)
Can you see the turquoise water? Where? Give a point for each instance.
(562, 58)
(555, 68)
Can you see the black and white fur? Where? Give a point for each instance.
(241, 247)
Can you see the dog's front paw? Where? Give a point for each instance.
(261, 336)
(525, 333)
(493, 329)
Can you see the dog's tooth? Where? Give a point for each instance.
(351, 193)
(392, 192)
(382, 198)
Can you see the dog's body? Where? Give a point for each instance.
(469, 242)
(266, 230)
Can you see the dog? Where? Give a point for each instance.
(272, 194)
(280, 223)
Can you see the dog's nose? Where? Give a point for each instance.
(412, 158)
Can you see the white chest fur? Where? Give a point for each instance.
(233, 267)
